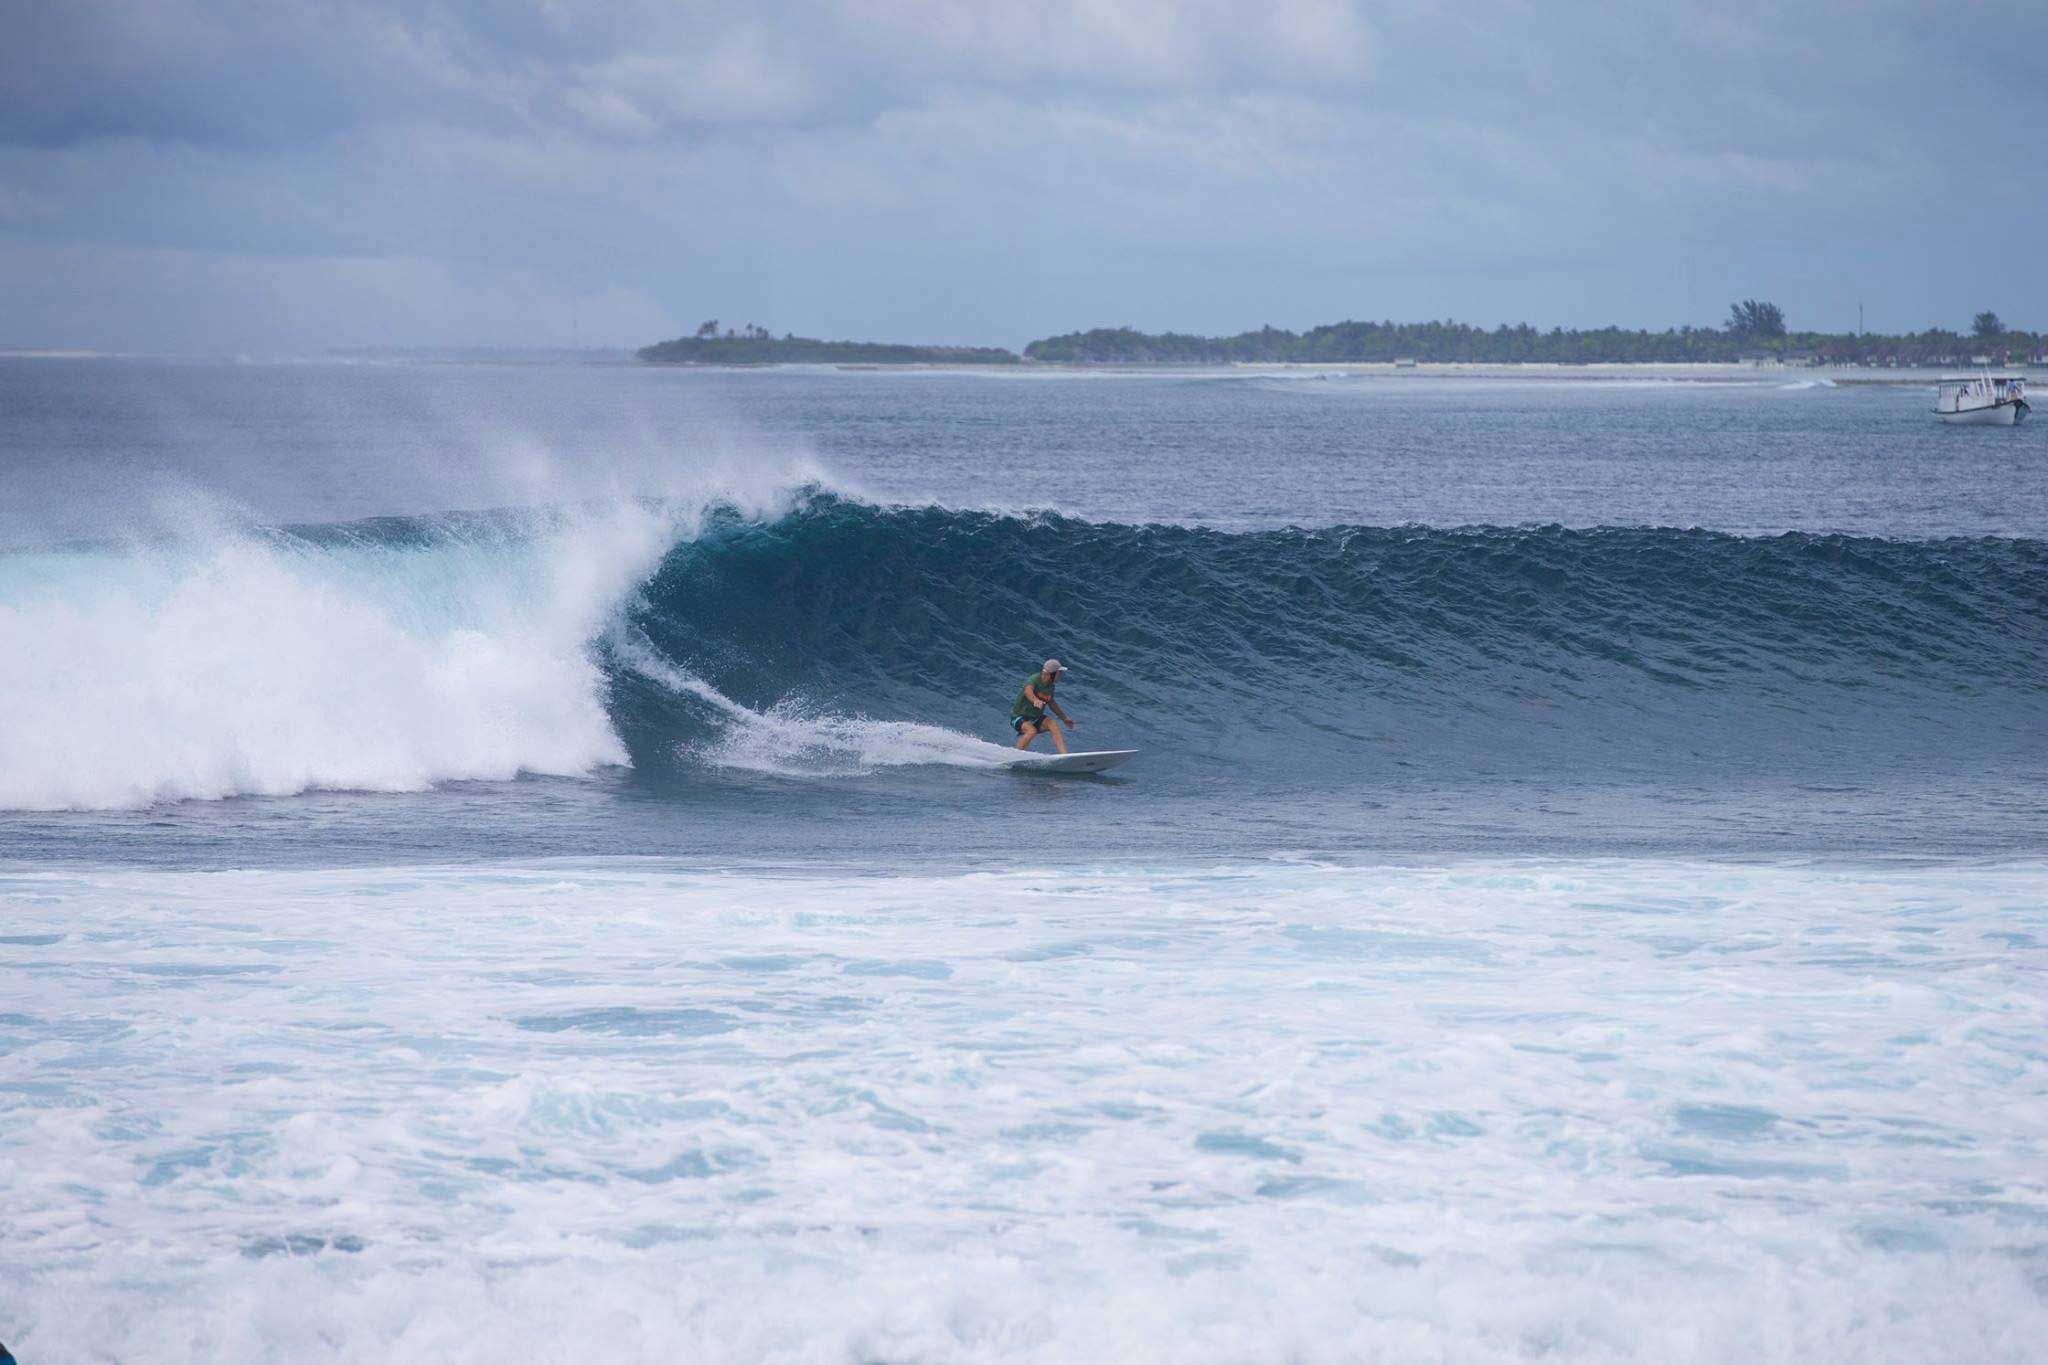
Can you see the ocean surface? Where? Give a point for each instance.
(505, 860)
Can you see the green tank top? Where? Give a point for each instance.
(1024, 708)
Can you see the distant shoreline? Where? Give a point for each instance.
(1698, 372)
(755, 346)
(1754, 335)
(1619, 371)
(1754, 338)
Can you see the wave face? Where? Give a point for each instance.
(827, 637)
(1632, 652)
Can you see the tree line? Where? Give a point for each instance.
(752, 345)
(1755, 330)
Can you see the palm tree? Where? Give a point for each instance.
(1753, 319)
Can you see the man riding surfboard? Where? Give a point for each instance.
(1028, 716)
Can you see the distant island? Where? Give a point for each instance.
(1755, 332)
(751, 345)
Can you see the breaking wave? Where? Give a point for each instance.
(825, 636)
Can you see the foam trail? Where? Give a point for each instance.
(794, 738)
(268, 665)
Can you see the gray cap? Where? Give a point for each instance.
(1053, 666)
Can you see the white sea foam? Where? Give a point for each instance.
(1631, 1110)
(221, 662)
(795, 738)
(240, 666)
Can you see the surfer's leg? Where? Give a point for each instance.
(1025, 734)
(1052, 727)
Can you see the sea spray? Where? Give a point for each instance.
(793, 737)
(272, 664)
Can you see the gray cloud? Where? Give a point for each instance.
(929, 169)
(261, 72)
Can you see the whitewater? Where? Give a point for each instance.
(519, 859)
(1308, 1112)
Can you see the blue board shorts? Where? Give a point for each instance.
(1017, 723)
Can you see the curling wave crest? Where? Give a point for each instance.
(381, 656)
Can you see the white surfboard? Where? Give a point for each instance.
(1092, 762)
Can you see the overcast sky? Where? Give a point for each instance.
(286, 175)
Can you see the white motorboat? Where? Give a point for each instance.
(1986, 399)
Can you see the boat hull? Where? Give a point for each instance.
(1998, 415)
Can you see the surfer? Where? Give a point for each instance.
(1028, 716)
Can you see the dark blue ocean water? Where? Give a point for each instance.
(517, 861)
(773, 614)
